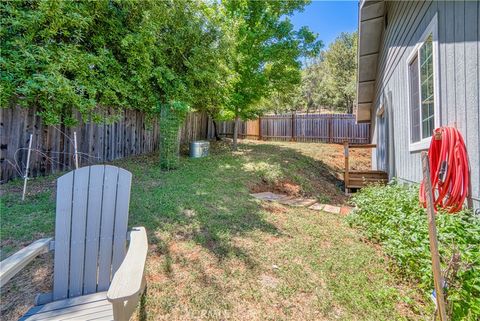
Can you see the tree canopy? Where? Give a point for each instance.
(222, 57)
(267, 51)
(88, 56)
(328, 81)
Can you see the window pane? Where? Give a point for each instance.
(414, 101)
(427, 94)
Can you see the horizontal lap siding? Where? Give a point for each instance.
(459, 90)
(53, 147)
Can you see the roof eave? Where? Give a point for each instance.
(370, 27)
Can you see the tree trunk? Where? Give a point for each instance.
(235, 133)
(350, 107)
(215, 131)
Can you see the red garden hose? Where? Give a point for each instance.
(449, 171)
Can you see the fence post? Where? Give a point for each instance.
(330, 128)
(293, 127)
(346, 176)
(259, 128)
(268, 132)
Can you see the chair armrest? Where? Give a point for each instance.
(13, 264)
(128, 281)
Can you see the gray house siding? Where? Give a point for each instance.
(459, 83)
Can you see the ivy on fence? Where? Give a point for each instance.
(172, 116)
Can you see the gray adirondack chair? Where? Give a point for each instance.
(95, 276)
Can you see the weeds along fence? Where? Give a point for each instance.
(53, 148)
(327, 128)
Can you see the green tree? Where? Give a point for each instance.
(266, 52)
(90, 56)
(108, 55)
(316, 92)
(214, 77)
(341, 65)
(328, 81)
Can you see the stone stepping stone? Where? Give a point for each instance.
(289, 201)
(298, 201)
(345, 210)
(269, 196)
(331, 209)
(304, 202)
(301, 202)
(317, 207)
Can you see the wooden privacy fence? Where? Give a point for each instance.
(53, 148)
(246, 129)
(327, 128)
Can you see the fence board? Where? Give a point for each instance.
(130, 135)
(326, 128)
(133, 135)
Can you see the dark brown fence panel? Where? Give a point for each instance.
(327, 128)
(53, 149)
(194, 128)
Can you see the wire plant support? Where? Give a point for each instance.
(25, 177)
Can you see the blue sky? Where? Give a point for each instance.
(328, 18)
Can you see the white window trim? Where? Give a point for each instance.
(432, 29)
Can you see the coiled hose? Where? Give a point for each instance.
(449, 170)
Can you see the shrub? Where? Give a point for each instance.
(100, 56)
(391, 215)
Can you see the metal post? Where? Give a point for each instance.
(75, 149)
(25, 177)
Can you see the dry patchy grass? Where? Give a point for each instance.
(216, 253)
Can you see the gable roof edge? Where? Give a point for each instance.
(370, 28)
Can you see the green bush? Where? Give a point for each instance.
(101, 56)
(391, 215)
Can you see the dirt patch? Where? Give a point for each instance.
(268, 281)
(274, 208)
(18, 295)
(285, 186)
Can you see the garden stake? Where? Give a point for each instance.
(432, 231)
(75, 147)
(25, 177)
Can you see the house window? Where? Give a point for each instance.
(414, 102)
(422, 112)
(422, 77)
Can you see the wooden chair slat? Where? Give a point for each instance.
(90, 248)
(121, 219)
(106, 227)
(95, 195)
(77, 242)
(62, 236)
(86, 311)
(62, 304)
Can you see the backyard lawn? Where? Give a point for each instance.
(216, 253)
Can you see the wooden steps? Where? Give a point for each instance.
(364, 178)
(359, 179)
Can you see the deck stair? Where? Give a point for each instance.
(358, 179)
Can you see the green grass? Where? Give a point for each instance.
(217, 253)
